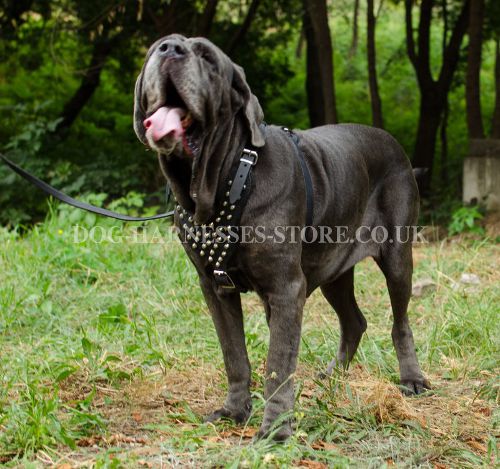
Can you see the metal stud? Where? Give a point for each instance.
(204, 246)
(212, 252)
(232, 207)
(178, 208)
(220, 259)
(188, 236)
(216, 245)
(210, 259)
(229, 217)
(181, 216)
(244, 186)
(217, 219)
(217, 264)
(209, 242)
(222, 212)
(230, 182)
(224, 203)
(227, 193)
(194, 246)
(197, 239)
(223, 253)
(202, 253)
(190, 219)
(219, 239)
(198, 233)
(226, 247)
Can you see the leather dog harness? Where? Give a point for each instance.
(217, 241)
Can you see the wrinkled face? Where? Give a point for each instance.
(193, 103)
(178, 94)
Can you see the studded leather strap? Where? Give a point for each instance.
(216, 242)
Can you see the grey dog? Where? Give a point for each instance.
(206, 114)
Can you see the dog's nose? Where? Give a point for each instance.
(172, 49)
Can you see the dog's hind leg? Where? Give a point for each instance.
(396, 263)
(340, 294)
(227, 316)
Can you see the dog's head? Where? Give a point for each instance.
(187, 97)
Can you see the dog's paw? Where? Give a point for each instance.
(412, 387)
(223, 413)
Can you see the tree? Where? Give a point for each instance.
(433, 92)
(207, 18)
(376, 103)
(355, 35)
(472, 84)
(481, 23)
(239, 36)
(105, 31)
(320, 79)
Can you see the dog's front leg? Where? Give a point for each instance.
(284, 307)
(228, 319)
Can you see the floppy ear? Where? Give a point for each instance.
(253, 112)
(139, 115)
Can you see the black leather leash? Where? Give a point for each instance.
(73, 202)
(248, 159)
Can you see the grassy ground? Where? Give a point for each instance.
(108, 358)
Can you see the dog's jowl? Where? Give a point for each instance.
(245, 191)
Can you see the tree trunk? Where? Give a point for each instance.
(319, 82)
(207, 18)
(433, 93)
(472, 84)
(428, 125)
(355, 35)
(444, 144)
(243, 29)
(495, 124)
(446, 111)
(88, 85)
(376, 103)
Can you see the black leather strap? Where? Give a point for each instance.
(73, 202)
(238, 195)
(307, 177)
(247, 160)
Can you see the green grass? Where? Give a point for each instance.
(108, 358)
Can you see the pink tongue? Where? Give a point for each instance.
(165, 121)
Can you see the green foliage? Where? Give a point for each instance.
(37, 419)
(465, 220)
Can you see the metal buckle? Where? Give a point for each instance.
(222, 279)
(250, 153)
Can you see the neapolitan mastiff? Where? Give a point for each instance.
(194, 107)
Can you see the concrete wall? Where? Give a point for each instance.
(481, 182)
